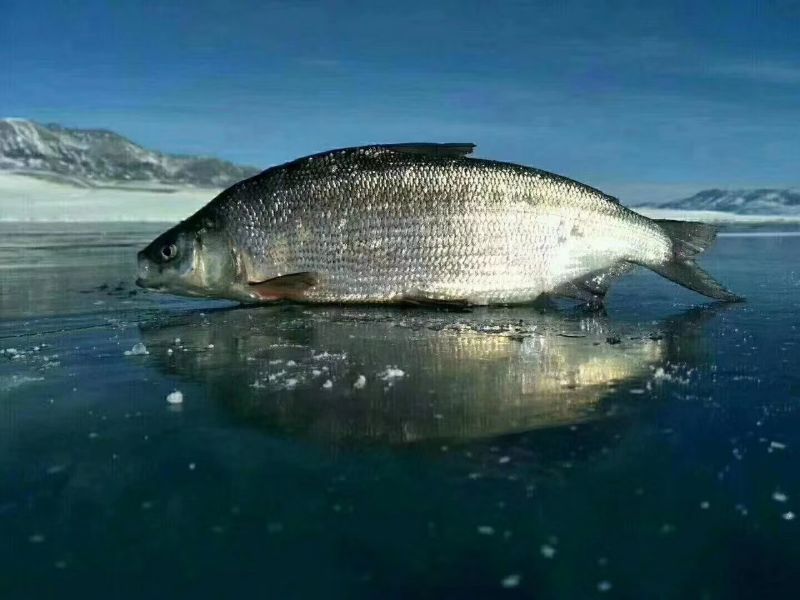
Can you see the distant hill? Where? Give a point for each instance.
(98, 156)
(741, 202)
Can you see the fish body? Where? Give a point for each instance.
(420, 223)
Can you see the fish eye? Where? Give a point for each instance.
(169, 251)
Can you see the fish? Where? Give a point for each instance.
(421, 224)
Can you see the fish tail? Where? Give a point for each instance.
(689, 239)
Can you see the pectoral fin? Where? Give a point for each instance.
(286, 287)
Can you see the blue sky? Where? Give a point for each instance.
(646, 100)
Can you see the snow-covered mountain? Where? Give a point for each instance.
(741, 202)
(92, 156)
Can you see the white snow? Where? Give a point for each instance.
(25, 198)
(175, 397)
(713, 216)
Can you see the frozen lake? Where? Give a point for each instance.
(354, 452)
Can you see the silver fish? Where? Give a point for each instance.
(417, 223)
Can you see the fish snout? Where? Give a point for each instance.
(143, 269)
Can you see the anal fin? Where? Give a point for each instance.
(593, 287)
(418, 298)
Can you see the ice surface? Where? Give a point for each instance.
(511, 445)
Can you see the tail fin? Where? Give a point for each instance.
(688, 240)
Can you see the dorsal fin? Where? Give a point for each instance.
(452, 149)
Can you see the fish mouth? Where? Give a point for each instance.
(142, 283)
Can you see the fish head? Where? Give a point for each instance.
(194, 258)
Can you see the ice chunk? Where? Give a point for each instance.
(486, 530)
(137, 350)
(360, 382)
(391, 373)
(511, 581)
(547, 551)
(175, 397)
(327, 385)
(291, 383)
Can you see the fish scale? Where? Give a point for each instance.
(425, 222)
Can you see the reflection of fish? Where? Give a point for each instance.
(463, 376)
(418, 223)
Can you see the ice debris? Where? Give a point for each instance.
(391, 373)
(511, 581)
(603, 586)
(137, 350)
(175, 397)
